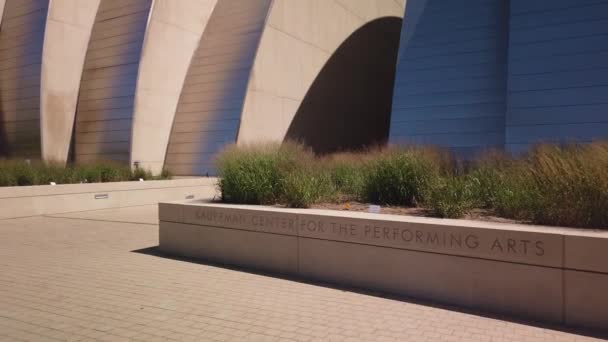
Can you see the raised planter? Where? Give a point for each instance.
(22, 201)
(549, 274)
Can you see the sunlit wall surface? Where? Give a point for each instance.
(469, 75)
(209, 109)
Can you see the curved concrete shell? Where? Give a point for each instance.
(173, 34)
(211, 101)
(290, 71)
(171, 82)
(2, 3)
(107, 90)
(21, 38)
(68, 29)
(259, 63)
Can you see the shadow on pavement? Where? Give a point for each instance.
(155, 251)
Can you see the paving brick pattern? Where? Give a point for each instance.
(76, 278)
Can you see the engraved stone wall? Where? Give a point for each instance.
(509, 269)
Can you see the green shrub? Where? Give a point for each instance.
(253, 174)
(552, 184)
(7, 178)
(347, 172)
(13, 172)
(400, 177)
(559, 185)
(305, 186)
(165, 174)
(88, 173)
(25, 174)
(272, 173)
(450, 197)
(517, 197)
(57, 173)
(140, 173)
(248, 175)
(485, 178)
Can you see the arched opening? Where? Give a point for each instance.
(348, 105)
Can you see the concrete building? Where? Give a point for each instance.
(167, 84)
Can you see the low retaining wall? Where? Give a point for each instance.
(555, 275)
(23, 201)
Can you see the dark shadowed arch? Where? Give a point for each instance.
(348, 105)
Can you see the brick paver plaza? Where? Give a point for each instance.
(80, 277)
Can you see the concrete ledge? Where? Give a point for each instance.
(23, 201)
(549, 274)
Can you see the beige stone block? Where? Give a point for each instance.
(273, 252)
(171, 212)
(394, 8)
(151, 128)
(370, 10)
(62, 189)
(320, 23)
(524, 291)
(273, 71)
(165, 58)
(339, 24)
(285, 66)
(437, 236)
(78, 13)
(289, 110)
(42, 200)
(261, 119)
(586, 301)
(185, 14)
(2, 3)
(587, 251)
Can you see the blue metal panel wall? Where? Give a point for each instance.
(209, 110)
(558, 72)
(107, 90)
(451, 77)
(21, 39)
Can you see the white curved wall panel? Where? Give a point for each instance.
(173, 34)
(2, 3)
(252, 70)
(68, 29)
(299, 39)
(168, 83)
(211, 101)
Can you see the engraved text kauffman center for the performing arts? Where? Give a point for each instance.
(366, 231)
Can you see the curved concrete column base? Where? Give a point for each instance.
(173, 34)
